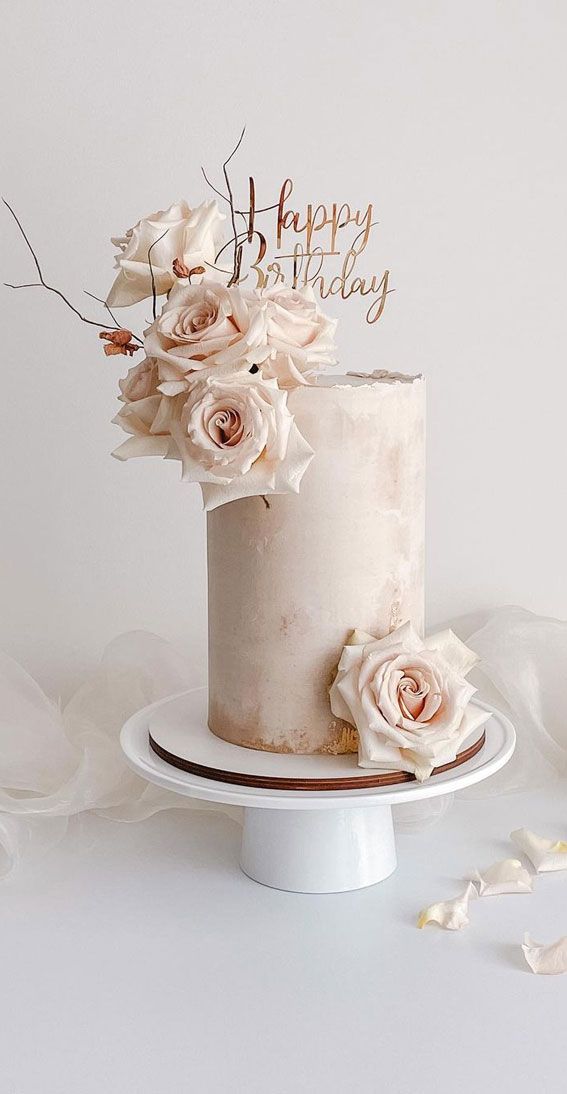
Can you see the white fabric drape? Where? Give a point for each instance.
(56, 762)
(523, 666)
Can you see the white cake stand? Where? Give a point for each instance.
(307, 841)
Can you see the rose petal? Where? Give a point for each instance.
(143, 446)
(546, 855)
(173, 387)
(359, 638)
(437, 753)
(508, 876)
(546, 960)
(405, 637)
(453, 651)
(452, 915)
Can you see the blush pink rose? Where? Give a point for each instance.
(191, 235)
(301, 338)
(237, 438)
(408, 698)
(206, 326)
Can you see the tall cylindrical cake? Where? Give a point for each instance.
(288, 583)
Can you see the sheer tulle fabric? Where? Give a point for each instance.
(523, 665)
(56, 762)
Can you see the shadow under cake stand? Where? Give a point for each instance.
(332, 832)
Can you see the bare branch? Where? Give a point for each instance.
(209, 183)
(212, 266)
(150, 249)
(236, 260)
(240, 236)
(236, 147)
(240, 212)
(111, 313)
(43, 283)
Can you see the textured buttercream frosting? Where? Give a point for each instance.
(287, 584)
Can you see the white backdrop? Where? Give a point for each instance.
(449, 116)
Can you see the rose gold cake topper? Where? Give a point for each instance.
(305, 241)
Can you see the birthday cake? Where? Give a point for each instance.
(313, 482)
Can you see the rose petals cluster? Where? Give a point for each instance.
(407, 697)
(220, 359)
(281, 331)
(153, 244)
(509, 876)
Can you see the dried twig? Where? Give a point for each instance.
(209, 183)
(111, 313)
(230, 242)
(236, 262)
(42, 283)
(240, 212)
(237, 238)
(150, 249)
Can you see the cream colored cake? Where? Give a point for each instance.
(288, 583)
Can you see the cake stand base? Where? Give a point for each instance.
(316, 851)
(307, 840)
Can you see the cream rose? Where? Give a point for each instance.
(408, 698)
(237, 438)
(147, 415)
(203, 327)
(300, 337)
(140, 381)
(189, 234)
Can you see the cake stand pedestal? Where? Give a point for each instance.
(302, 840)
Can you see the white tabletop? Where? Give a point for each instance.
(138, 959)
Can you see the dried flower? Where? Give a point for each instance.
(119, 341)
(181, 269)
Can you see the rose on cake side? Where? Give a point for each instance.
(237, 439)
(407, 697)
(190, 235)
(206, 326)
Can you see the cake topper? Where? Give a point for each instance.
(305, 241)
